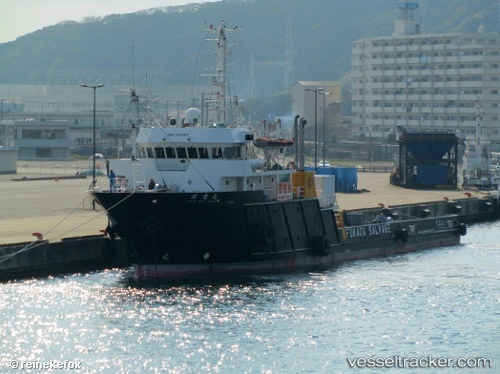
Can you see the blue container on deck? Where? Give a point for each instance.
(346, 179)
(351, 179)
(339, 176)
(324, 170)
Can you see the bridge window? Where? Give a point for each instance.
(203, 151)
(170, 152)
(192, 153)
(216, 152)
(159, 152)
(181, 152)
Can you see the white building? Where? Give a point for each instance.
(426, 82)
(37, 139)
(318, 102)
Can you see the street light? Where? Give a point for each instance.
(93, 134)
(3, 127)
(324, 124)
(315, 125)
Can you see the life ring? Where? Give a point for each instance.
(265, 234)
(290, 165)
(403, 234)
(462, 229)
(321, 246)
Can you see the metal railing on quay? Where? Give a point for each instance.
(87, 204)
(55, 167)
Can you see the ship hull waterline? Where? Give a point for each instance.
(182, 234)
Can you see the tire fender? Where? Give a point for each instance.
(321, 246)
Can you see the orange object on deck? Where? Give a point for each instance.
(38, 235)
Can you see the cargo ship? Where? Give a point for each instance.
(221, 200)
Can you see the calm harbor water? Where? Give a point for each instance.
(440, 303)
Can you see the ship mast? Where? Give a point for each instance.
(217, 109)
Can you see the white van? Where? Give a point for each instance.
(98, 156)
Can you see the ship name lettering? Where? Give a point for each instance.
(179, 134)
(205, 199)
(440, 224)
(356, 232)
(369, 230)
(378, 229)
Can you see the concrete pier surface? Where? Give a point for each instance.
(59, 208)
(374, 188)
(56, 208)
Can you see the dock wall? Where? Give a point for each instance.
(69, 255)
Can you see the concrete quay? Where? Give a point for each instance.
(60, 208)
(55, 208)
(375, 189)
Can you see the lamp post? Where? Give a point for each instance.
(93, 134)
(315, 125)
(3, 127)
(324, 124)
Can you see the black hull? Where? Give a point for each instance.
(181, 234)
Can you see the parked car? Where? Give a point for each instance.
(88, 172)
(98, 156)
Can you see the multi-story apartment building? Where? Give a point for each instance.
(427, 82)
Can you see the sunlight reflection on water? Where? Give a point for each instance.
(442, 302)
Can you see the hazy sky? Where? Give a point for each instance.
(20, 17)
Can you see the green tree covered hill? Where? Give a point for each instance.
(169, 40)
